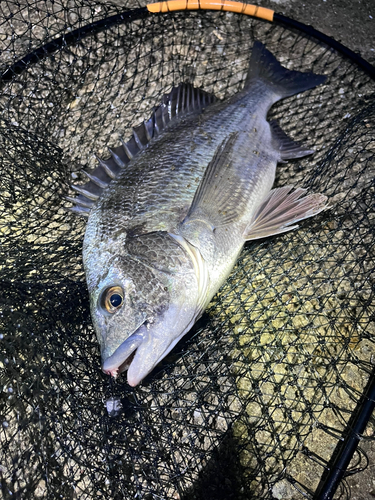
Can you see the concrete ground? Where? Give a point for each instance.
(352, 22)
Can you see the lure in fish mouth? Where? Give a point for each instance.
(170, 210)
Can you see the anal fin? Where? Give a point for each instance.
(287, 147)
(281, 209)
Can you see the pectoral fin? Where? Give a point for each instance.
(219, 194)
(281, 209)
(215, 202)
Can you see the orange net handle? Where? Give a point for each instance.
(227, 5)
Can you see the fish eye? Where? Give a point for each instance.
(113, 298)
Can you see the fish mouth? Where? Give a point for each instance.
(143, 350)
(123, 356)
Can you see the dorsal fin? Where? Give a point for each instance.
(181, 101)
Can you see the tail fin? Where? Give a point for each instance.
(284, 82)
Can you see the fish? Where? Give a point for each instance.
(170, 210)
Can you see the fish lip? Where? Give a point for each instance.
(121, 358)
(125, 365)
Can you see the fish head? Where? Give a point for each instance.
(142, 302)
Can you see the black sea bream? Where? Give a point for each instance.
(170, 211)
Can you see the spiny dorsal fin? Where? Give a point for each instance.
(182, 100)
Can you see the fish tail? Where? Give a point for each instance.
(284, 82)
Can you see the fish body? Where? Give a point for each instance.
(170, 211)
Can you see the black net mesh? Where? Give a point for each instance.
(252, 403)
